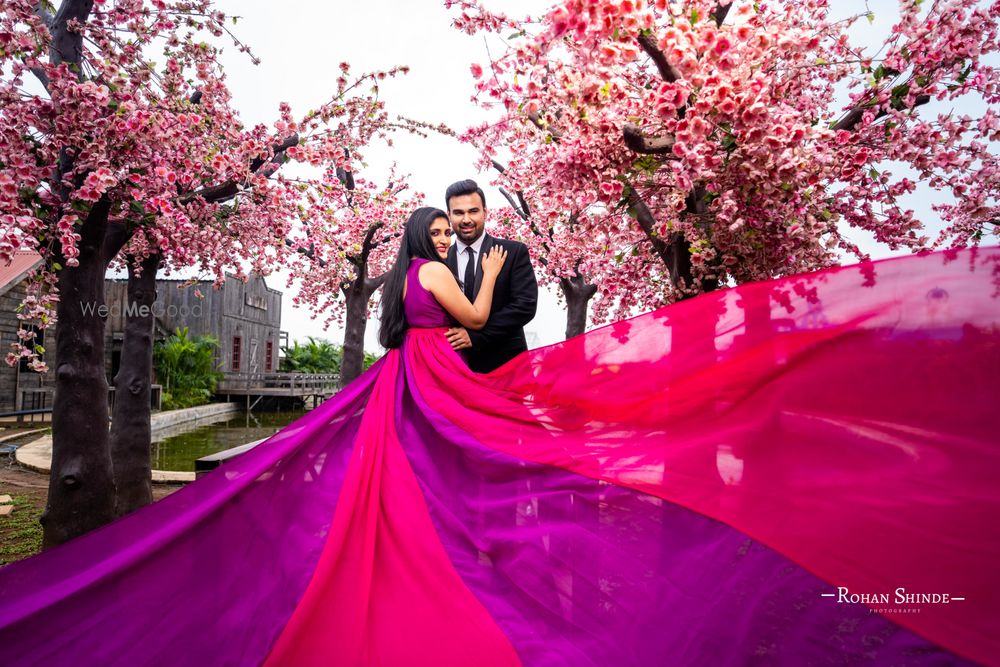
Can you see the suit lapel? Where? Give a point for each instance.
(485, 248)
(453, 260)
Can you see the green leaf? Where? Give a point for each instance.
(965, 74)
(898, 93)
(870, 16)
(647, 164)
(695, 16)
(873, 172)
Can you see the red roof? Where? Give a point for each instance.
(22, 262)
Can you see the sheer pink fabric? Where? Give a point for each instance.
(694, 486)
(846, 419)
(384, 591)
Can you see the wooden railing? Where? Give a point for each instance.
(317, 381)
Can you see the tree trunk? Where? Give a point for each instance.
(354, 334)
(680, 264)
(81, 486)
(578, 293)
(131, 441)
(358, 294)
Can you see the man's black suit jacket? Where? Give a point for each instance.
(515, 298)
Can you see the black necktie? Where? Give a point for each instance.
(470, 274)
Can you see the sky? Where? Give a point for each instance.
(300, 44)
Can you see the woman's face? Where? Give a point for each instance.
(441, 236)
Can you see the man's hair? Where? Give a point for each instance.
(466, 187)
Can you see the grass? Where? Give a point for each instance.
(20, 532)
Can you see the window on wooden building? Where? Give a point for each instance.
(269, 359)
(234, 364)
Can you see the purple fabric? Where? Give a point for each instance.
(206, 576)
(581, 572)
(420, 307)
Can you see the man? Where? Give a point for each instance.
(515, 295)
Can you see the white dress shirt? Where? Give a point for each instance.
(463, 257)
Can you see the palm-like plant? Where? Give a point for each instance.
(186, 368)
(316, 356)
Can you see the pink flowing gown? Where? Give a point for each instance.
(800, 471)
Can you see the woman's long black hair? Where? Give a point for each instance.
(416, 243)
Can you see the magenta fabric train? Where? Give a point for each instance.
(800, 471)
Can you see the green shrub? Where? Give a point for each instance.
(186, 369)
(316, 356)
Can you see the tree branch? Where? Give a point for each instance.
(521, 210)
(117, 236)
(366, 245)
(385, 239)
(720, 11)
(667, 71)
(648, 225)
(346, 177)
(854, 116)
(372, 284)
(47, 20)
(309, 252)
(544, 126)
(638, 142)
(228, 190)
(67, 45)
(513, 204)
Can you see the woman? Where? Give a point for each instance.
(735, 479)
(421, 262)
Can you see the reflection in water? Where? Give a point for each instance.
(179, 452)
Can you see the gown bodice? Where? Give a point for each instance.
(421, 308)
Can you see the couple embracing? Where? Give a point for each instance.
(482, 288)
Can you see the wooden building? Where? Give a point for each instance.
(21, 387)
(244, 317)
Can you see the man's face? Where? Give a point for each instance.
(468, 217)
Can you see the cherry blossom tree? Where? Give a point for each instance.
(580, 272)
(107, 159)
(346, 247)
(744, 138)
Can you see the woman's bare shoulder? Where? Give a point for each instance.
(432, 272)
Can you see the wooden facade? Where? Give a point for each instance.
(21, 387)
(244, 317)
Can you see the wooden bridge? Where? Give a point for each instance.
(310, 387)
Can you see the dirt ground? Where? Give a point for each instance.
(20, 532)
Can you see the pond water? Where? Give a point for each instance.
(178, 452)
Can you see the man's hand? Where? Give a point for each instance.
(458, 337)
